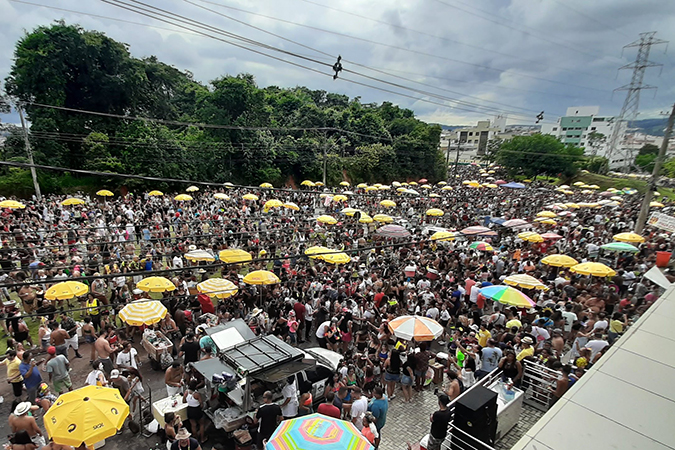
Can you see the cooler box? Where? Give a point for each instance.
(165, 405)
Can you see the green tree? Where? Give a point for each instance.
(649, 149)
(595, 141)
(492, 149)
(539, 154)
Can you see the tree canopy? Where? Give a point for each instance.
(539, 154)
(258, 134)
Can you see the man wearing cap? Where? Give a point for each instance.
(526, 348)
(58, 369)
(185, 442)
(19, 420)
(119, 382)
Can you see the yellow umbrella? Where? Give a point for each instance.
(316, 251)
(266, 185)
(308, 183)
(530, 236)
(155, 193)
(155, 284)
(349, 211)
(192, 189)
(261, 277)
(628, 237)
(11, 204)
(474, 184)
(336, 258)
(434, 195)
(413, 183)
(228, 185)
(559, 261)
(362, 185)
(104, 193)
(435, 212)
(545, 221)
(199, 255)
(72, 201)
(273, 204)
(182, 198)
(549, 214)
(491, 186)
(388, 203)
(396, 184)
(656, 205)
(401, 189)
(579, 183)
(593, 186)
(329, 220)
(324, 195)
(88, 415)
(234, 256)
(340, 198)
(378, 185)
(319, 183)
(344, 183)
(250, 197)
(221, 196)
(572, 205)
(446, 188)
(384, 188)
(595, 269)
(443, 236)
(371, 188)
(217, 287)
(426, 186)
(567, 192)
(291, 205)
(66, 290)
(466, 182)
(383, 218)
(365, 218)
(525, 282)
(142, 312)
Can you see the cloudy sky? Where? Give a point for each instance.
(451, 61)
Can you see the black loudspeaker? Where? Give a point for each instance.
(475, 415)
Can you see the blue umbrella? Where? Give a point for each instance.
(514, 185)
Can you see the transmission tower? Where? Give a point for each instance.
(629, 110)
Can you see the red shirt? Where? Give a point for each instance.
(468, 284)
(299, 309)
(329, 410)
(378, 298)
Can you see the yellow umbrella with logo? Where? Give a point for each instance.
(234, 256)
(266, 185)
(319, 183)
(340, 198)
(269, 204)
(142, 312)
(89, 414)
(365, 218)
(261, 277)
(66, 290)
(362, 185)
(388, 203)
(548, 214)
(530, 236)
(316, 251)
(344, 183)
(11, 204)
(349, 211)
(446, 188)
(155, 284)
(308, 183)
(336, 258)
(221, 196)
(192, 189)
(426, 186)
(250, 197)
(182, 198)
(329, 220)
(228, 185)
(72, 201)
(371, 188)
(155, 193)
(199, 255)
(292, 206)
(435, 212)
(104, 193)
(218, 288)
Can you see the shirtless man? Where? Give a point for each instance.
(173, 378)
(58, 339)
(104, 351)
(20, 420)
(27, 294)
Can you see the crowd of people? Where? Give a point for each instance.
(111, 244)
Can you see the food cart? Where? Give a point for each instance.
(157, 345)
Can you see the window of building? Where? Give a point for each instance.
(593, 128)
(470, 133)
(555, 128)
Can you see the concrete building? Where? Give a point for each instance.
(579, 122)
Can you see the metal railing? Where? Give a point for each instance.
(537, 381)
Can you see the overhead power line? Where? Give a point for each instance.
(568, 5)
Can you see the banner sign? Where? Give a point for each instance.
(662, 221)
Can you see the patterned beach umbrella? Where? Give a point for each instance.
(317, 432)
(415, 328)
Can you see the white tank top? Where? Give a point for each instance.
(191, 401)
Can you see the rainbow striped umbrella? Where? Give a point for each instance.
(482, 246)
(415, 328)
(317, 432)
(507, 295)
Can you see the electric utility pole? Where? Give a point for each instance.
(644, 210)
(29, 151)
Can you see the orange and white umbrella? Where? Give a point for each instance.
(415, 328)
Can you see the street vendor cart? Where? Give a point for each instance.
(159, 349)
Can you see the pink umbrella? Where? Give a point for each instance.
(551, 236)
(514, 223)
(423, 180)
(478, 231)
(500, 182)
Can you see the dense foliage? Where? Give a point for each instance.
(539, 154)
(67, 66)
